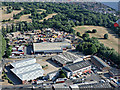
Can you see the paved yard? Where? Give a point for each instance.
(51, 66)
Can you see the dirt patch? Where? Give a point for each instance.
(111, 42)
(24, 18)
(10, 15)
(49, 16)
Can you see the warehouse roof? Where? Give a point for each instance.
(101, 61)
(95, 85)
(115, 72)
(27, 70)
(49, 46)
(66, 57)
(78, 65)
(23, 62)
(62, 86)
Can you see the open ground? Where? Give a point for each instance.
(111, 42)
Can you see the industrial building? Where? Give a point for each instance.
(119, 6)
(100, 63)
(77, 68)
(52, 75)
(104, 85)
(66, 58)
(27, 70)
(115, 73)
(48, 47)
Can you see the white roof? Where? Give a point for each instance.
(27, 69)
(23, 62)
(31, 75)
(49, 46)
(74, 86)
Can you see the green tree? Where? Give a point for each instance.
(78, 34)
(94, 31)
(13, 29)
(85, 35)
(105, 36)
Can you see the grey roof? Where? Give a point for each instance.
(48, 46)
(61, 86)
(78, 65)
(66, 57)
(115, 72)
(95, 85)
(101, 61)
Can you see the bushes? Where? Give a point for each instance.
(105, 36)
(85, 35)
(78, 34)
(94, 31)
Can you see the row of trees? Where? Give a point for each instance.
(91, 46)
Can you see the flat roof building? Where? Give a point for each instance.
(95, 85)
(48, 47)
(66, 58)
(100, 63)
(77, 68)
(27, 70)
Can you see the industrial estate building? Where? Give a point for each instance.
(100, 63)
(115, 73)
(48, 47)
(77, 68)
(66, 58)
(105, 85)
(27, 70)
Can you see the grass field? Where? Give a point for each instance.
(49, 16)
(111, 42)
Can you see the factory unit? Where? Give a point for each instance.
(47, 47)
(100, 63)
(115, 73)
(27, 70)
(66, 58)
(52, 75)
(77, 68)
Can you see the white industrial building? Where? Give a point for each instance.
(48, 47)
(66, 58)
(27, 70)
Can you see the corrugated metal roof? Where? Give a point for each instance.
(96, 85)
(27, 69)
(31, 75)
(23, 62)
(78, 65)
(49, 46)
(66, 57)
(101, 61)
